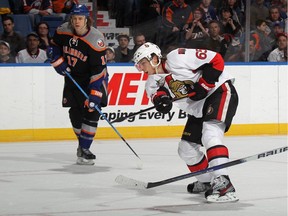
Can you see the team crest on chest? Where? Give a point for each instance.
(177, 87)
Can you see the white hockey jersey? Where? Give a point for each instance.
(182, 68)
(24, 56)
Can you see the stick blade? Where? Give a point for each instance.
(123, 180)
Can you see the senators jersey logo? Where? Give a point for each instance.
(177, 87)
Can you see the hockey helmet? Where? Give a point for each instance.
(80, 10)
(145, 51)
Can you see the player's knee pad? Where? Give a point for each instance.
(212, 139)
(189, 152)
(212, 133)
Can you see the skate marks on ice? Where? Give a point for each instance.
(201, 207)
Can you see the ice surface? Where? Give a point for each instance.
(41, 178)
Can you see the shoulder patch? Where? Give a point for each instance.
(95, 39)
(101, 43)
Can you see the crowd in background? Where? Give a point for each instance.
(218, 25)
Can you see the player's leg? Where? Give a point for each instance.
(220, 108)
(84, 125)
(87, 134)
(189, 151)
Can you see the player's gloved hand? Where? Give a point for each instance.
(200, 90)
(162, 100)
(60, 66)
(95, 98)
(54, 56)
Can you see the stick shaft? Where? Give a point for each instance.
(145, 185)
(221, 166)
(141, 111)
(98, 110)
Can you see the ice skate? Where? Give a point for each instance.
(221, 191)
(198, 187)
(85, 157)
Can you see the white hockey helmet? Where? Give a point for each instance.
(145, 51)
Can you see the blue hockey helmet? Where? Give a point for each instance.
(80, 10)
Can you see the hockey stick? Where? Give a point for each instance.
(145, 185)
(97, 108)
(141, 111)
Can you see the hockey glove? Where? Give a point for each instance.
(200, 90)
(60, 66)
(162, 100)
(95, 98)
(57, 61)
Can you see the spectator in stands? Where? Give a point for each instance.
(258, 11)
(197, 30)
(280, 53)
(215, 41)
(210, 12)
(42, 29)
(5, 56)
(229, 25)
(32, 53)
(139, 39)
(281, 4)
(110, 55)
(40, 7)
(176, 17)
(277, 29)
(274, 17)
(123, 53)
(234, 46)
(15, 40)
(240, 56)
(5, 7)
(264, 43)
(63, 6)
(238, 11)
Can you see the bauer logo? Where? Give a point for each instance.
(269, 153)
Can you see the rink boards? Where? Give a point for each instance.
(31, 103)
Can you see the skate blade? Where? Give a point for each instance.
(83, 161)
(228, 197)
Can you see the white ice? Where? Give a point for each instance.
(42, 179)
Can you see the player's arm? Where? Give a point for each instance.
(210, 74)
(98, 79)
(55, 56)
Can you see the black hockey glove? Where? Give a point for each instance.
(199, 90)
(162, 100)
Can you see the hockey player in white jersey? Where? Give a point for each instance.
(211, 102)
